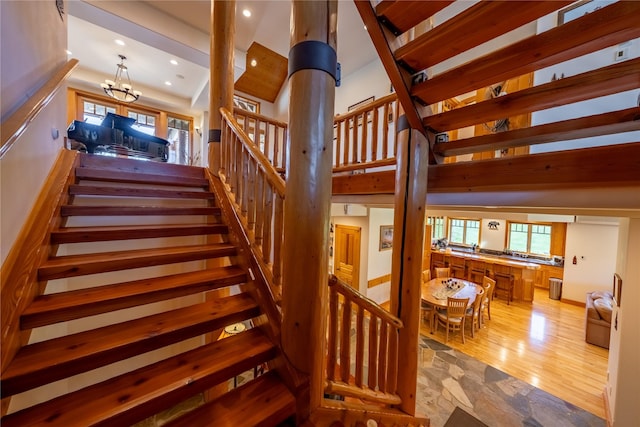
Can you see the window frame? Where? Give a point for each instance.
(464, 231)
(529, 233)
(434, 226)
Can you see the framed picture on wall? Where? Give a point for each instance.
(617, 288)
(386, 237)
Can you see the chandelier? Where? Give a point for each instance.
(117, 89)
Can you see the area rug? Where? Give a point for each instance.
(461, 418)
(448, 379)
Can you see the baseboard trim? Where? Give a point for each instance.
(607, 407)
(379, 280)
(572, 302)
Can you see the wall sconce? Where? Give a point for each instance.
(198, 131)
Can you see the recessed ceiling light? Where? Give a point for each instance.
(168, 83)
(254, 62)
(119, 42)
(365, 28)
(174, 62)
(68, 52)
(246, 12)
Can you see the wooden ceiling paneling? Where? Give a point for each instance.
(267, 77)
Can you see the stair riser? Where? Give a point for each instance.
(57, 272)
(20, 383)
(107, 235)
(80, 311)
(79, 210)
(86, 190)
(140, 178)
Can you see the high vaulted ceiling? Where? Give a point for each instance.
(156, 32)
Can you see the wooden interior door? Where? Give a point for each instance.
(347, 258)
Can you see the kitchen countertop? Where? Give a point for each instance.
(498, 259)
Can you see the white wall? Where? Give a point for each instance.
(600, 105)
(370, 80)
(27, 63)
(379, 261)
(623, 387)
(595, 247)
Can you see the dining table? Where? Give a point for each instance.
(435, 292)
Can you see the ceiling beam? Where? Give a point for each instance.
(615, 78)
(470, 28)
(613, 122)
(608, 26)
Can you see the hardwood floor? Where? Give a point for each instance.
(543, 344)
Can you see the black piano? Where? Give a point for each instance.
(116, 136)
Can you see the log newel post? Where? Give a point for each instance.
(408, 239)
(223, 31)
(308, 194)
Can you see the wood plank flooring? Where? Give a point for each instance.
(543, 344)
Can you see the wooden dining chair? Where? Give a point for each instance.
(489, 286)
(473, 313)
(426, 275)
(443, 272)
(453, 318)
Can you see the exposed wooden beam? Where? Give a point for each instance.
(470, 28)
(602, 28)
(399, 78)
(611, 166)
(584, 127)
(615, 78)
(607, 166)
(400, 16)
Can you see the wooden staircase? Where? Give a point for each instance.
(127, 325)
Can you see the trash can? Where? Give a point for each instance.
(555, 288)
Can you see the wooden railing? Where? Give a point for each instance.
(374, 358)
(269, 136)
(257, 193)
(366, 137)
(18, 122)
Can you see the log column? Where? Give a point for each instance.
(308, 191)
(408, 242)
(223, 32)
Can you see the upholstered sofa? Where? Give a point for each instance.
(598, 318)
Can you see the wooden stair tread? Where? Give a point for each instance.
(97, 190)
(101, 234)
(401, 16)
(462, 32)
(110, 210)
(58, 358)
(79, 265)
(137, 177)
(65, 306)
(124, 164)
(134, 396)
(265, 401)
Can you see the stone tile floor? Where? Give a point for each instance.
(448, 378)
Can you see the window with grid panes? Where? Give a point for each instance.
(144, 122)
(94, 112)
(464, 231)
(437, 227)
(179, 140)
(529, 238)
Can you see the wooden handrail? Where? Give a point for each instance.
(15, 125)
(376, 332)
(240, 111)
(272, 176)
(269, 135)
(359, 299)
(258, 196)
(387, 99)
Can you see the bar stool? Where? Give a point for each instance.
(477, 270)
(505, 281)
(458, 267)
